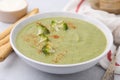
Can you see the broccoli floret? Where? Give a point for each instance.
(64, 26)
(47, 49)
(43, 37)
(42, 29)
(61, 25)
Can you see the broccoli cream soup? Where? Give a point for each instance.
(61, 40)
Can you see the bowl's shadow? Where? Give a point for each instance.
(94, 73)
(17, 69)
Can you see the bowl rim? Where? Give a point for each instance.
(108, 46)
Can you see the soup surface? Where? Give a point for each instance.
(61, 40)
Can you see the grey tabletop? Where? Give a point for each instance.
(15, 69)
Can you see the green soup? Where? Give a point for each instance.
(61, 40)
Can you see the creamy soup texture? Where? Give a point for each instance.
(61, 40)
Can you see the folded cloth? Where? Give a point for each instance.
(112, 21)
(83, 7)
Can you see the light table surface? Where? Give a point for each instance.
(14, 68)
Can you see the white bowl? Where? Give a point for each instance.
(68, 68)
(11, 13)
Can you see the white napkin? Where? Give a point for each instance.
(110, 20)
